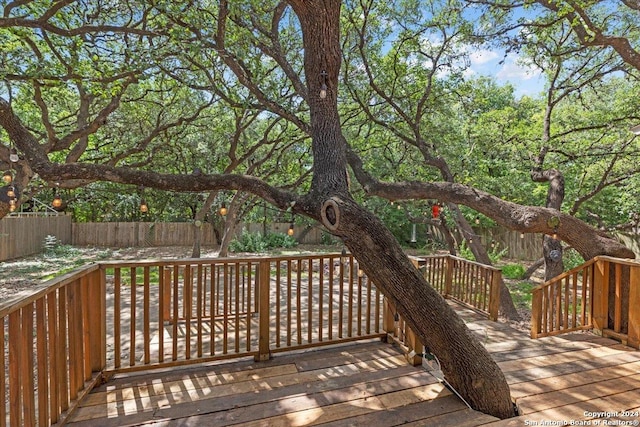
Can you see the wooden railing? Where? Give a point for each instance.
(113, 317)
(53, 348)
(469, 283)
(79, 329)
(603, 294)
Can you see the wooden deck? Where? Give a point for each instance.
(553, 380)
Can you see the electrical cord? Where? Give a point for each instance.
(428, 357)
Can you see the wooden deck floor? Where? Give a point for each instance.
(553, 380)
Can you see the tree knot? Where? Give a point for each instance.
(330, 214)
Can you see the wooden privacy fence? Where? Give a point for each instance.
(141, 234)
(23, 235)
(603, 294)
(79, 329)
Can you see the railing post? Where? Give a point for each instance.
(448, 277)
(414, 356)
(264, 311)
(96, 288)
(388, 319)
(494, 294)
(634, 307)
(600, 299)
(536, 312)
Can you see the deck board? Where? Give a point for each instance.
(370, 384)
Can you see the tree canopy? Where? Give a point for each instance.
(323, 108)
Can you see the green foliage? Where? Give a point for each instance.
(513, 271)
(572, 259)
(521, 294)
(495, 253)
(257, 242)
(55, 249)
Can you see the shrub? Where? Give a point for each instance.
(572, 259)
(54, 248)
(513, 271)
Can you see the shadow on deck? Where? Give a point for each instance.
(554, 381)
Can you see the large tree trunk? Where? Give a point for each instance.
(466, 364)
(198, 221)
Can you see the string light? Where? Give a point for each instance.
(290, 231)
(7, 177)
(144, 208)
(223, 209)
(478, 219)
(13, 157)
(57, 200)
(323, 87)
(11, 192)
(522, 235)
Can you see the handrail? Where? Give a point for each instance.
(469, 283)
(127, 316)
(590, 296)
(117, 316)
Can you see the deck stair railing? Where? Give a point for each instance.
(603, 294)
(77, 330)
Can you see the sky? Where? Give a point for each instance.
(526, 80)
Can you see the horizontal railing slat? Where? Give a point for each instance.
(118, 316)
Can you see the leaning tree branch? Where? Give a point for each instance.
(526, 219)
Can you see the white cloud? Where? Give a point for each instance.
(482, 56)
(517, 70)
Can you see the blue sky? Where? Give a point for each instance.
(526, 79)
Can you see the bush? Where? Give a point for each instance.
(495, 253)
(257, 242)
(572, 259)
(513, 271)
(54, 248)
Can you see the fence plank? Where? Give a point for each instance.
(24, 235)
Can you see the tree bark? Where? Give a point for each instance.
(465, 362)
(198, 221)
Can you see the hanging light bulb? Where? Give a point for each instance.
(290, 230)
(478, 219)
(144, 208)
(12, 205)
(7, 177)
(223, 209)
(555, 234)
(57, 201)
(11, 192)
(13, 157)
(323, 87)
(360, 272)
(522, 235)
